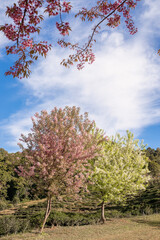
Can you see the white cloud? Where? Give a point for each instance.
(152, 11)
(3, 40)
(151, 21)
(118, 90)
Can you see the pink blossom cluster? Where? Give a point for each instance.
(87, 56)
(63, 28)
(80, 57)
(27, 43)
(42, 48)
(18, 68)
(111, 12)
(55, 7)
(11, 49)
(114, 21)
(66, 7)
(26, 18)
(15, 13)
(131, 27)
(10, 32)
(21, 66)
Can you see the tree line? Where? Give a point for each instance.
(15, 188)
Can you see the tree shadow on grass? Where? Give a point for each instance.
(148, 222)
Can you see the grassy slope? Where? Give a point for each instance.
(135, 228)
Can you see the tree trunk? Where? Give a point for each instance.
(102, 213)
(48, 210)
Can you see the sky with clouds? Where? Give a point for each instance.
(120, 90)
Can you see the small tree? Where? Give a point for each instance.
(122, 171)
(57, 152)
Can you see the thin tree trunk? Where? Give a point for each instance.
(48, 210)
(102, 213)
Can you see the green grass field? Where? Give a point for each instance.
(145, 227)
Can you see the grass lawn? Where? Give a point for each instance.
(136, 228)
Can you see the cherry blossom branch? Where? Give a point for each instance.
(20, 32)
(85, 54)
(22, 22)
(94, 30)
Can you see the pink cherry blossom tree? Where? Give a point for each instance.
(57, 152)
(26, 18)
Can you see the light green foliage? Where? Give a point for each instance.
(121, 171)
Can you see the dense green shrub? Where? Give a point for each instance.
(72, 219)
(32, 217)
(146, 202)
(11, 224)
(114, 214)
(64, 219)
(5, 205)
(36, 219)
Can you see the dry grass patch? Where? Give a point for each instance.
(136, 228)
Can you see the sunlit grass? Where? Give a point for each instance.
(135, 228)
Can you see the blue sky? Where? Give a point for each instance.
(120, 90)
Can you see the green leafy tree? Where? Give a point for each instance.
(17, 186)
(122, 171)
(12, 187)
